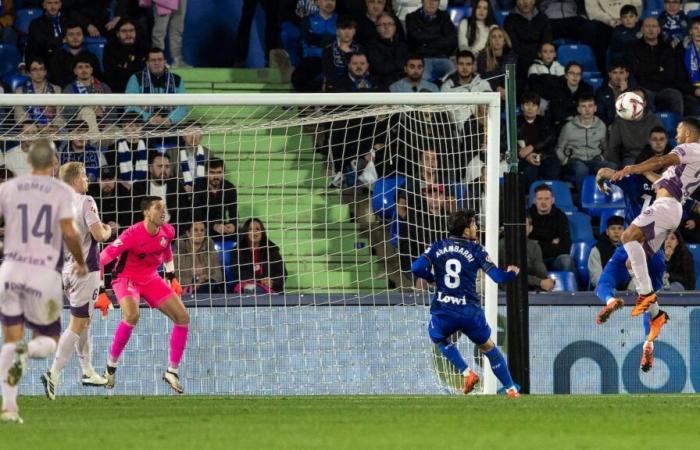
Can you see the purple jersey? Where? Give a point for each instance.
(86, 216)
(140, 253)
(683, 179)
(33, 206)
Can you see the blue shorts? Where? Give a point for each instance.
(472, 323)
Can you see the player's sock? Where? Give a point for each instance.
(638, 261)
(178, 342)
(452, 354)
(121, 338)
(499, 367)
(646, 320)
(66, 346)
(653, 310)
(40, 347)
(9, 393)
(84, 349)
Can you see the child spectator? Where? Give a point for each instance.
(257, 261)
(680, 268)
(317, 32)
(474, 30)
(603, 250)
(536, 141)
(336, 56)
(626, 33)
(673, 22)
(545, 70)
(527, 28)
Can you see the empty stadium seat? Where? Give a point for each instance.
(561, 191)
(97, 49)
(94, 40)
(580, 53)
(608, 213)
(579, 253)
(24, 17)
(580, 227)
(564, 281)
(224, 248)
(695, 251)
(13, 80)
(384, 196)
(10, 57)
(593, 201)
(652, 12)
(669, 121)
(593, 79)
(501, 16)
(457, 13)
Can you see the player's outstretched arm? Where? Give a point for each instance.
(501, 276)
(654, 164)
(100, 232)
(71, 236)
(421, 268)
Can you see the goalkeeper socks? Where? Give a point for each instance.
(646, 319)
(178, 342)
(9, 393)
(66, 346)
(638, 261)
(41, 347)
(84, 349)
(451, 352)
(121, 338)
(499, 367)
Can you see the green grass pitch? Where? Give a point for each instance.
(481, 422)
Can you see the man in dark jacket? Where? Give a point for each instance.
(46, 32)
(432, 35)
(93, 14)
(388, 53)
(216, 197)
(63, 59)
(537, 278)
(564, 94)
(527, 29)
(550, 228)
(603, 250)
(123, 56)
(605, 96)
(536, 141)
(368, 27)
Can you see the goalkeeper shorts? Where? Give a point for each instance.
(154, 290)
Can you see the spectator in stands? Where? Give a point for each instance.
(692, 56)
(656, 146)
(161, 183)
(334, 60)
(628, 138)
(491, 63)
(317, 32)
(608, 11)
(680, 267)
(653, 64)
(545, 71)
(170, 21)
(123, 56)
(44, 116)
(113, 200)
(93, 15)
(431, 34)
(537, 278)
(369, 28)
(197, 263)
(564, 93)
(414, 80)
(156, 78)
(257, 261)
(217, 198)
(141, 17)
(356, 77)
(61, 63)
(527, 28)
(568, 20)
(605, 96)
(85, 83)
(15, 159)
(190, 156)
(46, 32)
(603, 250)
(404, 7)
(673, 23)
(550, 228)
(7, 20)
(130, 152)
(536, 141)
(473, 31)
(465, 79)
(79, 149)
(625, 34)
(387, 53)
(581, 144)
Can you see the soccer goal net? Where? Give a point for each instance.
(298, 218)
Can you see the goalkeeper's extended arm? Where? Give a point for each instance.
(170, 275)
(421, 268)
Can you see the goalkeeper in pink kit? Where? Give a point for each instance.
(141, 250)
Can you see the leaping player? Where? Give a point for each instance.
(83, 292)
(141, 250)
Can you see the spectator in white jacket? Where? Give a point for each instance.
(546, 62)
(465, 79)
(403, 7)
(608, 11)
(474, 31)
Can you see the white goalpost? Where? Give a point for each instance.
(348, 187)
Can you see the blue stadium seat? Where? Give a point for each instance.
(10, 57)
(13, 80)
(224, 248)
(564, 41)
(24, 17)
(669, 120)
(580, 53)
(97, 49)
(458, 192)
(593, 201)
(695, 251)
(652, 12)
(580, 227)
(561, 191)
(384, 196)
(501, 17)
(457, 13)
(94, 40)
(579, 253)
(593, 79)
(653, 4)
(693, 14)
(565, 281)
(608, 213)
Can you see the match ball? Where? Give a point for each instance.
(629, 106)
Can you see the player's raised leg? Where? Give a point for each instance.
(633, 239)
(129, 304)
(175, 310)
(654, 318)
(614, 272)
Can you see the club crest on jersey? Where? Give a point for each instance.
(163, 242)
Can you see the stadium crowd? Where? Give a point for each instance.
(573, 58)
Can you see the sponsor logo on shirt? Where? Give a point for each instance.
(163, 241)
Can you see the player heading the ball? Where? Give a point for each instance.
(456, 305)
(142, 249)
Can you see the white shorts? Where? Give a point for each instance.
(658, 221)
(31, 294)
(81, 292)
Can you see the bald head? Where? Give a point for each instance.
(42, 154)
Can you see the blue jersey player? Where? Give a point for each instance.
(456, 306)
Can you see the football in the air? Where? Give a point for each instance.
(629, 106)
